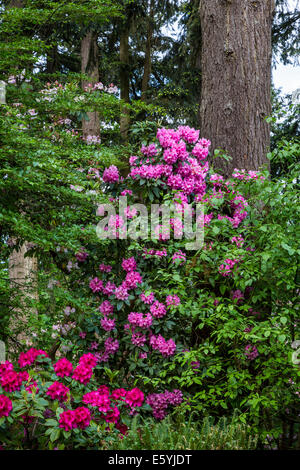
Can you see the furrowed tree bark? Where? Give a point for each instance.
(147, 63)
(124, 81)
(236, 79)
(23, 280)
(90, 67)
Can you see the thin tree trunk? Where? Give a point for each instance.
(90, 67)
(124, 82)
(236, 79)
(147, 63)
(23, 282)
(52, 60)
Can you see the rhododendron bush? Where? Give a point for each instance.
(44, 402)
(158, 326)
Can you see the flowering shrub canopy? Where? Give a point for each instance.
(165, 325)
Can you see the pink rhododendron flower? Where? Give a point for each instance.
(96, 285)
(81, 256)
(179, 255)
(133, 278)
(118, 394)
(113, 415)
(159, 402)
(139, 319)
(134, 397)
(109, 288)
(158, 309)
(106, 308)
(67, 420)
(129, 264)
(82, 417)
(121, 292)
(11, 381)
(58, 391)
(251, 352)
(103, 403)
(138, 339)
(166, 348)
(105, 268)
(111, 345)
(108, 324)
(88, 360)
(63, 367)
(5, 406)
(172, 300)
(5, 367)
(111, 174)
(147, 299)
(82, 373)
(29, 357)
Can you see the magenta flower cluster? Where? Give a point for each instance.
(159, 343)
(58, 391)
(160, 402)
(28, 358)
(136, 320)
(5, 405)
(251, 352)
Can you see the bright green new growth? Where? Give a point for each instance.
(188, 435)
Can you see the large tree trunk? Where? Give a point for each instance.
(90, 67)
(124, 81)
(147, 63)
(236, 79)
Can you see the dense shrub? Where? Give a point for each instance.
(61, 403)
(215, 324)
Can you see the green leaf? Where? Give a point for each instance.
(281, 338)
(51, 422)
(54, 435)
(290, 250)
